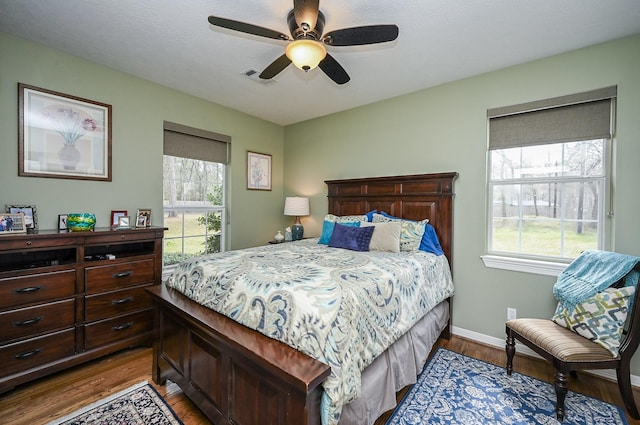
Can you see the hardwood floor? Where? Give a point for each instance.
(57, 395)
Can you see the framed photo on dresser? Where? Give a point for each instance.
(11, 224)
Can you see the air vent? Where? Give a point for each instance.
(255, 75)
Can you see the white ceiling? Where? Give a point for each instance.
(171, 43)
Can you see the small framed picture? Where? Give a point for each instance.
(115, 215)
(62, 221)
(258, 171)
(146, 213)
(141, 221)
(11, 224)
(30, 216)
(123, 222)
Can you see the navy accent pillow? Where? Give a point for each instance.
(353, 238)
(327, 230)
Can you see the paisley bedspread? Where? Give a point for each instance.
(341, 307)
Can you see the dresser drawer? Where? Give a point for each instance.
(26, 322)
(38, 241)
(23, 290)
(36, 351)
(116, 303)
(113, 330)
(126, 236)
(117, 276)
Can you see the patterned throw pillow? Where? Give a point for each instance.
(411, 233)
(600, 318)
(345, 218)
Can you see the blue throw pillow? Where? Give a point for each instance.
(389, 216)
(370, 215)
(327, 230)
(430, 242)
(353, 238)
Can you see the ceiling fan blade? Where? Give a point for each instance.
(306, 13)
(275, 67)
(356, 36)
(334, 70)
(247, 28)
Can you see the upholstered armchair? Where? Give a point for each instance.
(568, 351)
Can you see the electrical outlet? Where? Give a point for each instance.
(512, 313)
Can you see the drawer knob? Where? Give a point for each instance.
(27, 290)
(28, 354)
(123, 326)
(122, 274)
(29, 243)
(27, 322)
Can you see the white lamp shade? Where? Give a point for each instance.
(296, 206)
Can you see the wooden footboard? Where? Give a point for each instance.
(233, 374)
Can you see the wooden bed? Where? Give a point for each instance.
(238, 376)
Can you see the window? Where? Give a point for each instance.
(194, 208)
(549, 175)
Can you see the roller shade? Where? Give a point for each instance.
(582, 116)
(188, 142)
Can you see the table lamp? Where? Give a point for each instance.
(296, 206)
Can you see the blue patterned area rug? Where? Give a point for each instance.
(456, 389)
(137, 405)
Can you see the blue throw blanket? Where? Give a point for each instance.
(592, 272)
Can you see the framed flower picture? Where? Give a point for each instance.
(62, 136)
(258, 171)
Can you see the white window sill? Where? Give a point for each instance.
(546, 268)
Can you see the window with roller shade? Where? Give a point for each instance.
(549, 176)
(194, 195)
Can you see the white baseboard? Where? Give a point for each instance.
(609, 374)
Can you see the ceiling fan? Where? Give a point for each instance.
(306, 48)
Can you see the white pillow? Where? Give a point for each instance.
(386, 236)
(411, 232)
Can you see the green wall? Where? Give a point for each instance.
(444, 129)
(436, 130)
(139, 109)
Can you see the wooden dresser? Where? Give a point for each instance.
(66, 298)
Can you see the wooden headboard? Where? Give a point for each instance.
(413, 197)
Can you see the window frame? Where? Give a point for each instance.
(182, 142)
(537, 264)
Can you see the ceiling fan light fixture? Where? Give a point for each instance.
(306, 54)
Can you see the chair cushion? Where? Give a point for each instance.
(558, 341)
(600, 318)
